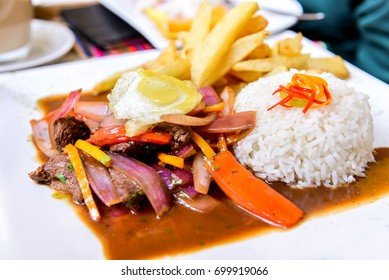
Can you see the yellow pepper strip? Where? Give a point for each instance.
(172, 160)
(204, 146)
(94, 152)
(76, 162)
(214, 108)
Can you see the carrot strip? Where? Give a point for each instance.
(94, 152)
(251, 193)
(76, 162)
(204, 146)
(172, 160)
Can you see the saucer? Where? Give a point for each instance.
(49, 41)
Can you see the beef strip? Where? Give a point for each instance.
(68, 130)
(41, 175)
(129, 192)
(139, 150)
(58, 173)
(181, 135)
(124, 186)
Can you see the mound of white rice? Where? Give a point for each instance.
(325, 146)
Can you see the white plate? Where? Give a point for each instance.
(126, 10)
(49, 41)
(34, 225)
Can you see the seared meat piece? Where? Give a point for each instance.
(181, 135)
(139, 150)
(40, 175)
(72, 188)
(129, 192)
(59, 173)
(124, 186)
(68, 129)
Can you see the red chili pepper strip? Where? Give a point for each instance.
(111, 135)
(304, 91)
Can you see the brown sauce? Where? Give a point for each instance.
(127, 236)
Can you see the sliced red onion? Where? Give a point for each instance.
(174, 178)
(110, 120)
(186, 151)
(182, 119)
(210, 97)
(147, 179)
(185, 176)
(94, 110)
(189, 190)
(198, 109)
(92, 124)
(201, 177)
(202, 203)
(65, 108)
(171, 181)
(40, 133)
(100, 181)
(231, 123)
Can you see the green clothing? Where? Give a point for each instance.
(357, 30)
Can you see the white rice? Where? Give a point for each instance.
(327, 146)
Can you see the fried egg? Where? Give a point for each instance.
(142, 97)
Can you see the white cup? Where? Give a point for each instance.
(15, 25)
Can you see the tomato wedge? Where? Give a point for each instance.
(111, 135)
(251, 193)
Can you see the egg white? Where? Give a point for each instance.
(127, 102)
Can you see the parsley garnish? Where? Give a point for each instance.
(61, 177)
(70, 166)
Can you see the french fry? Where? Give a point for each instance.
(238, 51)
(218, 12)
(268, 64)
(255, 24)
(200, 28)
(289, 46)
(216, 45)
(178, 25)
(179, 68)
(168, 55)
(160, 20)
(247, 76)
(221, 82)
(334, 65)
(262, 51)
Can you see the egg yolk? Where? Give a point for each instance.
(162, 91)
(142, 97)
